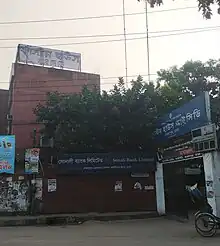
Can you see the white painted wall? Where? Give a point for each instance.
(212, 177)
(159, 180)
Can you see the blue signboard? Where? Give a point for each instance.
(7, 154)
(106, 162)
(182, 120)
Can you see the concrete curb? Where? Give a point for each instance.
(71, 219)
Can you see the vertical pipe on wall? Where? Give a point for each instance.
(210, 180)
(208, 106)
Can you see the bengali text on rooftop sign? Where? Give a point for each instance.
(7, 154)
(39, 56)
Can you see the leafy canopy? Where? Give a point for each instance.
(124, 119)
(203, 5)
(120, 120)
(180, 84)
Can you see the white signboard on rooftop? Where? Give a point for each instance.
(35, 55)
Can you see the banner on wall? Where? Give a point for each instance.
(180, 121)
(107, 162)
(180, 153)
(178, 149)
(7, 154)
(32, 157)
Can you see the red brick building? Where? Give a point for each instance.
(29, 86)
(3, 111)
(75, 192)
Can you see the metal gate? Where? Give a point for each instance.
(176, 197)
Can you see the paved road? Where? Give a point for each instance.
(153, 232)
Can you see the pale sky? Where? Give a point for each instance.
(107, 59)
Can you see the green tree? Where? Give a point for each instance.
(180, 84)
(121, 120)
(124, 119)
(203, 5)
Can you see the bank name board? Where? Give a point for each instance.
(105, 161)
(170, 129)
(182, 120)
(81, 160)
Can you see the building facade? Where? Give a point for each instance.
(98, 182)
(29, 87)
(3, 111)
(93, 182)
(188, 157)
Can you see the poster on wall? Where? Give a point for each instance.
(7, 154)
(13, 195)
(39, 189)
(52, 185)
(209, 189)
(32, 157)
(118, 186)
(137, 186)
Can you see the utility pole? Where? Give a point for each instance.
(34, 137)
(147, 33)
(33, 179)
(125, 45)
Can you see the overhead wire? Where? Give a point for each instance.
(28, 92)
(191, 31)
(103, 78)
(92, 17)
(107, 35)
(211, 28)
(32, 90)
(69, 80)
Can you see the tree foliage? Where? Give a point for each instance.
(121, 120)
(124, 119)
(205, 6)
(183, 83)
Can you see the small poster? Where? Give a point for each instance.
(210, 194)
(209, 189)
(52, 185)
(9, 179)
(39, 189)
(137, 186)
(148, 187)
(32, 160)
(118, 186)
(21, 178)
